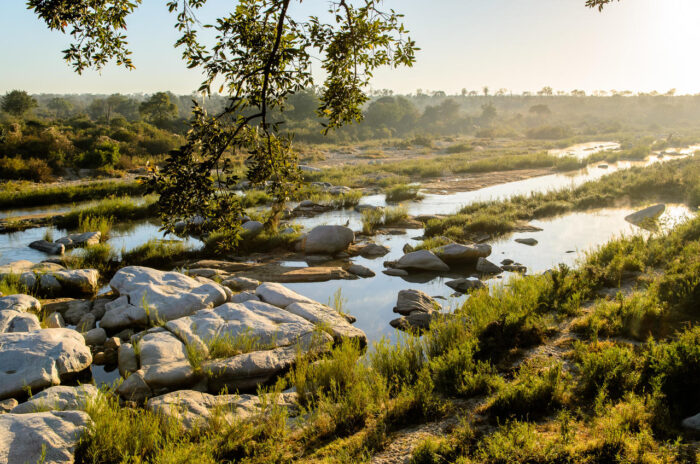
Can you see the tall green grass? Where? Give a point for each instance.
(22, 195)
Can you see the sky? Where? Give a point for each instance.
(520, 45)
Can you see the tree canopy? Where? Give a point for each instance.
(158, 108)
(262, 55)
(17, 102)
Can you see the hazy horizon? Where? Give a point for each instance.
(638, 46)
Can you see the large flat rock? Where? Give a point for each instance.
(148, 296)
(195, 409)
(40, 359)
(43, 437)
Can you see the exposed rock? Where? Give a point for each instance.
(252, 228)
(40, 359)
(318, 259)
(49, 285)
(247, 371)
(12, 321)
(527, 241)
(58, 398)
(279, 295)
(95, 337)
(75, 311)
(413, 322)
(135, 388)
(692, 422)
(47, 437)
(507, 262)
(149, 295)
(647, 214)
(395, 272)
(80, 240)
(455, 253)
(372, 250)
(7, 405)
(421, 260)
(194, 409)
(55, 321)
(464, 285)
(407, 248)
(238, 284)
(515, 268)
(335, 322)
(48, 247)
(82, 281)
(204, 272)
(361, 271)
(127, 360)
(328, 240)
(410, 301)
(99, 307)
(485, 266)
(19, 302)
(244, 296)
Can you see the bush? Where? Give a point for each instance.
(402, 192)
(531, 395)
(104, 154)
(32, 169)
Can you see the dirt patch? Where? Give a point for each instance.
(481, 180)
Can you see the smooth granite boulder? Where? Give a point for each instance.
(148, 295)
(455, 253)
(421, 260)
(40, 359)
(58, 398)
(328, 240)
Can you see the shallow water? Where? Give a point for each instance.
(584, 150)
(564, 239)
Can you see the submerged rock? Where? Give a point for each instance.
(527, 241)
(40, 359)
(395, 272)
(49, 437)
(421, 260)
(647, 214)
(147, 295)
(48, 247)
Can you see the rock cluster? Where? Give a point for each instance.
(417, 311)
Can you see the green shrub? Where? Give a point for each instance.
(532, 395)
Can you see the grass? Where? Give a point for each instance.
(24, 194)
(158, 253)
(674, 181)
(103, 225)
(110, 209)
(402, 192)
(372, 219)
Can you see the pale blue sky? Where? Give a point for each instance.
(639, 45)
